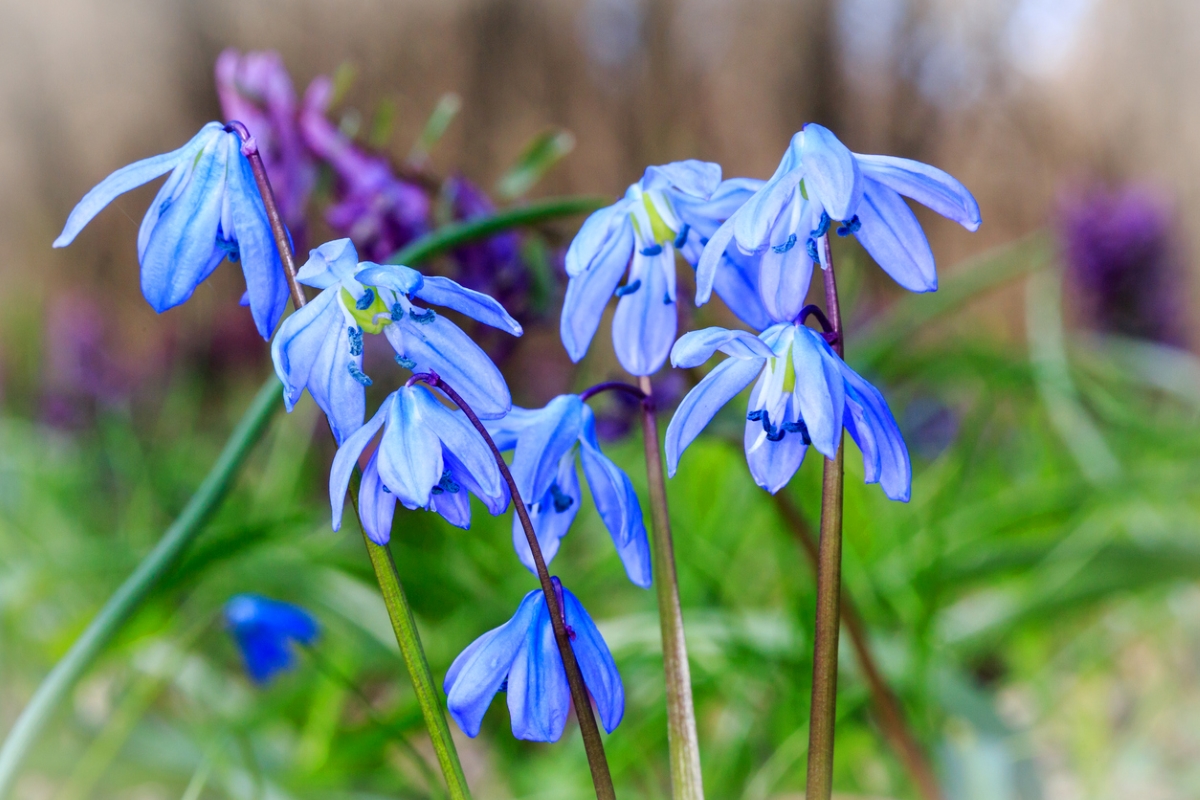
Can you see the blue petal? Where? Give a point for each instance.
(691, 177)
(131, 177)
(312, 351)
(600, 232)
(507, 430)
(929, 186)
(410, 454)
(494, 498)
(643, 328)
(617, 503)
(543, 443)
(830, 172)
(266, 283)
(785, 269)
(820, 394)
(595, 662)
(550, 522)
(179, 252)
(459, 437)
(704, 218)
(736, 282)
(376, 507)
(396, 277)
(476, 305)
(538, 695)
(480, 670)
(589, 290)
(891, 234)
(712, 259)
(753, 222)
(347, 457)
(696, 347)
(441, 346)
(772, 463)
(330, 264)
(454, 507)
(702, 403)
(873, 428)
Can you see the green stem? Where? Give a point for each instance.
(823, 712)
(137, 586)
(686, 780)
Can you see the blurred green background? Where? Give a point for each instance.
(1035, 606)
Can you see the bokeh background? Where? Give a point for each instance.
(1035, 606)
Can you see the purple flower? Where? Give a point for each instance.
(492, 266)
(377, 210)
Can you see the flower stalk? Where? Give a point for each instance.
(592, 743)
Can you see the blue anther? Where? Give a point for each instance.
(561, 500)
(356, 341)
(683, 234)
(652, 250)
(822, 226)
(397, 312)
(811, 247)
(629, 288)
(703, 241)
(446, 485)
(797, 427)
(788, 245)
(423, 316)
(775, 435)
(406, 362)
(503, 686)
(364, 302)
(358, 374)
(755, 415)
(850, 227)
(766, 422)
(667, 299)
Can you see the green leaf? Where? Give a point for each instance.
(543, 152)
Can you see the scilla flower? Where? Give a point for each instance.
(320, 347)
(429, 457)
(805, 394)
(521, 658)
(818, 184)
(547, 442)
(209, 209)
(672, 207)
(264, 631)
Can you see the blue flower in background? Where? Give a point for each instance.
(521, 658)
(208, 210)
(673, 207)
(320, 347)
(546, 442)
(264, 630)
(429, 457)
(818, 183)
(804, 395)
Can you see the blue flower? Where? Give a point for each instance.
(673, 207)
(264, 630)
(818, 183)
(209, 209)
(545, 442)
(804, 395)
(320, 347)
(429, 457)
(521, 658)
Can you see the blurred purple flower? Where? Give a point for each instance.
(255, 89)
(1121, 255)
(374, 208)
(81, 370)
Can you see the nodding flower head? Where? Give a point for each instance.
(804, 395)
(821, 186)
(521, 658)
(546, 443)
(673, 207)
(265, 631)
(320, 347)
(428, 457)
(207, 211)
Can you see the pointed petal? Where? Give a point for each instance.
(644, 325)
(712, 258)
(691, 177)
(494, 497)
(757, 217)
(704, 218)
(772, 463)
(131, 177)
(618, 505)
(831, 172)
(506, 430)
(376, 507)
(479, 671)
(601, 238)
(396, 277)
(454, 507)
(871, 424)
(459, 437)
(929, 186)
(551, 520)
(543, 444)
(696, 347)
(702, 403)
(440, 291)
(266, 284)
(589, 290)
(819, 395)
(538, 696)
(332, 263)
(891, 234)
(441, 346)
(347, 457)
(595, 662)
(410, 454)
(736, 282)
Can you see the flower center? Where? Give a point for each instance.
(369, 311)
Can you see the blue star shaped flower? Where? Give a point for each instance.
(208, 210)
(804, 395)
(521, 658)
(673, 207)
(429, 457)
(819, 182)
(547, 442)
(264, 631)
(320, 347)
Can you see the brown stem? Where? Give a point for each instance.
(889, 712)
(592, 743)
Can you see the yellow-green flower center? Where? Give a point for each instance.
(660, 230)
(374, 317)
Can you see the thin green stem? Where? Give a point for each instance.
(687, 783)
(823, 712)
(137, 586)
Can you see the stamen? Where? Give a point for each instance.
(667, 299)
(446, 485)
(424, 316)
(385, 489)
(811, 247)
(364, 302)
(788, 245)
(356, 340)
(406, 362)
(755, 415)
(652, 250)
(397, 312)
(797, 427)
(358, 374)
(561, 500)
(629, 288)
(850, 227)
(822, 226)
(683, 234)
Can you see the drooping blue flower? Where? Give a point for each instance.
(264, 630)
(818, 183)
(805, 394)
(521, 658)
(673, 207)
(320, 347)
(546, 442)
(208, 210)
(429, 457)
